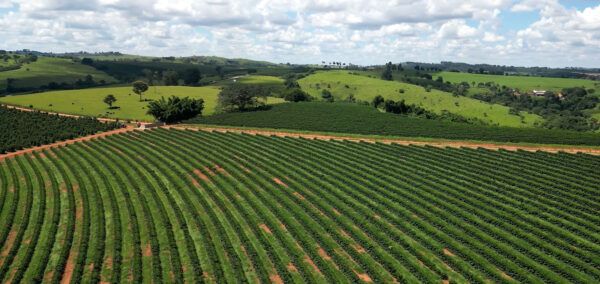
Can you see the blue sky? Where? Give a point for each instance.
(513, 32)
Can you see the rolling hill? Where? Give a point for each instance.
(50, 69)
(342, 84)
(523, 83)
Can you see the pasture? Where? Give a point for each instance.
(523, 83)
(49, 69)
(342, 84)
(89, 101)
(184, 206)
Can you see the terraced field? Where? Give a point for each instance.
(185, 206)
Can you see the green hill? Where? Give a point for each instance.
(342, 84)
(49, 69)
(523, 83)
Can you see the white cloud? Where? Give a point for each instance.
(308, 31)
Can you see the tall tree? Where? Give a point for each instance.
(191, 76)
(109, 100)
(387, 72)
(171, 78)
(139, 87)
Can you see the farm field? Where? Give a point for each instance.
(261, 80)
(185, 206)
(522, 83)
(89, 101)
(48, 69)
(342, 84)
(20, 129)
(351, 118)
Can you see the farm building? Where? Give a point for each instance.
(539, 93)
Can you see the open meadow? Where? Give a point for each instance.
(89, 101)
(342, 84)
(523, 83)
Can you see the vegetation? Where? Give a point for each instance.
(523, 83)
(109, 100)
(242, 97)
(139, 87)
(51, 73)
(361, 119)
(21, 129)
(564, 110)
(184, 206)
(89, 101)
(342, 84)
(175, 109)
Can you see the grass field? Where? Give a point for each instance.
(350, 118)
(182, 206)
(48, 69)
(522, 83)
(261, 80)
(89, 101)
(342, 84)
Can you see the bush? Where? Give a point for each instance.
(296, 95)
(175, 109)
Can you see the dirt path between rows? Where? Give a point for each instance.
(66, 142)
(406, 142)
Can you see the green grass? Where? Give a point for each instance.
(179, 206)
(89, 101)
(261, 80)
(523, 83)
(359, 119)
(48, 69)
(364, 88)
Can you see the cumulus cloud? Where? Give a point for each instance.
(308, 31)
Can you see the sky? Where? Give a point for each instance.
(549, 33)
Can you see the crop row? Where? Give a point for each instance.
(194, 207)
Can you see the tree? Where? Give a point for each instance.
(242, 97)
(175, 109)
(296, 95)
(377, 101)
(191, 76)
(87, 61)
(109, 100)
(171, 78)
(220, 72)
(139, 87)
(327, 96)
(387, 72)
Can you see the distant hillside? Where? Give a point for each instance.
(52, 71)
(523, 83)
(342, 84)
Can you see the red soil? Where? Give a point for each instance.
(279, 182)
(265, 228)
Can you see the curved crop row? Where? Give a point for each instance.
(198, 207)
